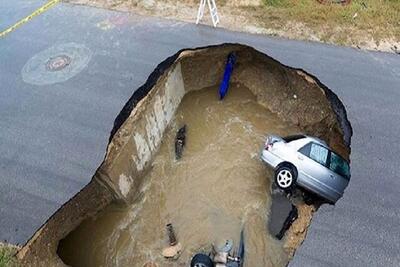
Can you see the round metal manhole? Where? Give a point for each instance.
(56, 64)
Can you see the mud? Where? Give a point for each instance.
(218, 185)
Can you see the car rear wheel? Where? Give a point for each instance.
(285, 177)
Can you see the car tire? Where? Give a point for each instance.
(201, 260)
(285, 177)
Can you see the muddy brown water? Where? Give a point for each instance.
(218, 187)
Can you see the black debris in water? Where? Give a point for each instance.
(293, 215)
(171, 235)
(180, 142)
(283, 213)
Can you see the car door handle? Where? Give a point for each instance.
(300, 157)
(331, 176)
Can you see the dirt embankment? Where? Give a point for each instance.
(291, 95)
(369, 24)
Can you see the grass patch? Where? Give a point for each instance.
(276, 3)
(7, 258)
(378, 18)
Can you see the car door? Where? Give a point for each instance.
(313, 159)
(339, 171)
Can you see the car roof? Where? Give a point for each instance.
(317, 140)
(298, 143)
(307, 139)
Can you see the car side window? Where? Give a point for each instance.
(305, 150)
(339, 165)
(319, 153)
(315, 152)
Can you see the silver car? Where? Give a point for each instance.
(308, 162)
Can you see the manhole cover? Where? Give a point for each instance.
(56, 64)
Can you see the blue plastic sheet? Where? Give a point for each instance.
(223, 88)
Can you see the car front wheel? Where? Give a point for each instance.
(285, 177)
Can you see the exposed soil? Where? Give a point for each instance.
(343, 28)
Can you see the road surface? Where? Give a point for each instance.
(54, 136)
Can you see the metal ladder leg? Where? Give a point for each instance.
(213, 12)
(200, 12)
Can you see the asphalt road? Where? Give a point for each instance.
(53, 137)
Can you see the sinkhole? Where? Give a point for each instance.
(217, 188)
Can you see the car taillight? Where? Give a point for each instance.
(268, 145)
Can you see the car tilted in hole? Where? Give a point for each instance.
(309, 163)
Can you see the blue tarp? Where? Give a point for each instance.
(223, 88)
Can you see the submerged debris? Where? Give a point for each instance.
(172, 252)
(283, 211)
(201, 260)
(293, 215)
(150, 264)
(180, 141)
(174, 248)
(171, 235)
(224, 256)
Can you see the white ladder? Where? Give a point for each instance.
(213, 11)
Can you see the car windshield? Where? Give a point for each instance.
(339, 165)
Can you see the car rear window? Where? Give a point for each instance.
(315, 152)
(291, 138)
(319, 153)
(339, 165)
